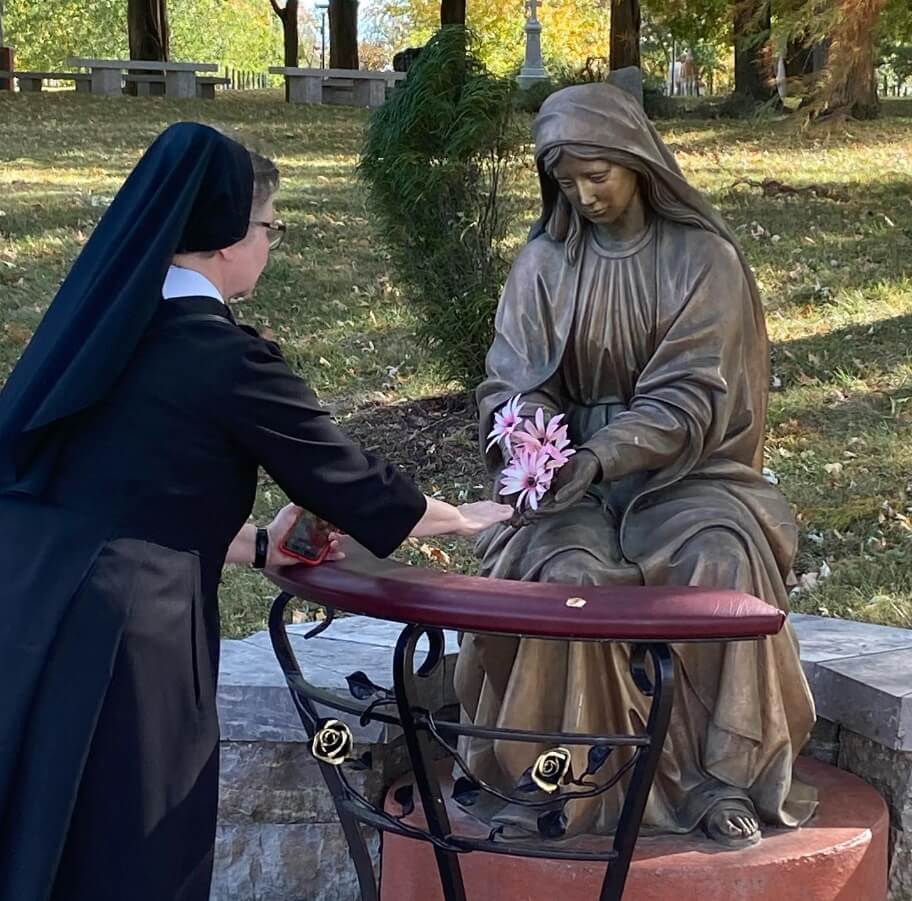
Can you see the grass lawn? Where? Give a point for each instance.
(833, 264)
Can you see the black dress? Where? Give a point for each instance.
(109, 634)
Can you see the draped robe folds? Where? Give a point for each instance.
(655, 353)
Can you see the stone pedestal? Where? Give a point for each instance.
(305, 89)
(861, 676)
(181, 85)
(369, 92)
(533, 69)
(840, 856)
(107, 82)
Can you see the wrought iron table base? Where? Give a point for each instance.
(331, 741)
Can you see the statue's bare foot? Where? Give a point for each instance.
(732, 824)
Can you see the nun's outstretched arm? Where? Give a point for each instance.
(275, 417)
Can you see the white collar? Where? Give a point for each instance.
(181, 282)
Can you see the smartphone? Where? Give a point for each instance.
(308, 539)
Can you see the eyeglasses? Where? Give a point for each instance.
(276, 230)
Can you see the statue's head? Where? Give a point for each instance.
(596, 150)
(596, 153)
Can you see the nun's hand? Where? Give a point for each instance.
(570, 485)
(282, 524)
(480, 515)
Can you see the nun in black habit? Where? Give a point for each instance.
(131, 431)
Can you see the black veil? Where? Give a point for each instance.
(191, 191)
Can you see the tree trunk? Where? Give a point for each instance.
(147, 24)
(452, 12)
(290, 32)
(343, 34)
(856, 89)
(625, 34)
(850, 84)
(288, 16)
(754, 75)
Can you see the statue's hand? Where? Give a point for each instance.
(570, 484)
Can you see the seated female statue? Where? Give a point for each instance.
(632, 310)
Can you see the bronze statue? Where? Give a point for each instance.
(633, 311)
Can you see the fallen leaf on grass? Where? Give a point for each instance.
(18, 333)
(435, 554)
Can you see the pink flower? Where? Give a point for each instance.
(559, 454)
(550, 437)
(506, 421)
(552, 432)
(528, 475)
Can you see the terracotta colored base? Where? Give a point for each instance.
(840, 856)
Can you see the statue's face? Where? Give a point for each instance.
(599, 190)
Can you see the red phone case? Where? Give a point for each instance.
(309, 561)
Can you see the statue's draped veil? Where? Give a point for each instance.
(605, 118)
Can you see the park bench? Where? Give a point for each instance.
(428, 603)
(30, 82)
(146, 85)
(107, 75)
(154, 85)
(354, 87)
(206, 85)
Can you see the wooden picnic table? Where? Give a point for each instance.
(360, 87)
(107, 74)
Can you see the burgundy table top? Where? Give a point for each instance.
(384, 589)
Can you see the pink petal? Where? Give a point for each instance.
(526, 441)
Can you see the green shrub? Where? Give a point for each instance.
(530, 99)
(436, 158)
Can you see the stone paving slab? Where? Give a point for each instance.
(870, 695)
(861, 676)
(834, 639)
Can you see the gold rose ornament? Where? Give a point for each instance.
(550, 769)
(332, 743)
